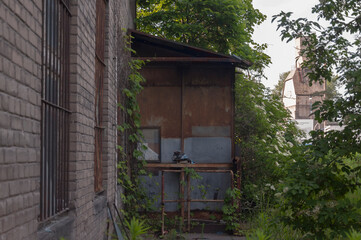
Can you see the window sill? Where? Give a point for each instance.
(57, 227)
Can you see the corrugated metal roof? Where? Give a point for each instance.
(157, 49)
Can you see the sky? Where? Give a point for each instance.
(282, 54)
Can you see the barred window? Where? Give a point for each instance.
(55, 108)
(99, 85)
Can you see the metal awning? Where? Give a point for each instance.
(157, 49)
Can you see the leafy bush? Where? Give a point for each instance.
(317, 196)
(231, 209)
(266, 225)
(259, 234)
(266, 137)
(353, 235)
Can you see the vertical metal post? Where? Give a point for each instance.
(189, 202)
(181, 188)
(55, 105)
(182, 110)
(162, 202)
(239, 181)
(233, 113)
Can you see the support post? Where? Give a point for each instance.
(182, 110)
(181, 187)
(189, 202)
(162, 202)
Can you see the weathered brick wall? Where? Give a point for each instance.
(20, 115)
(124, 13)
(20, 100)
(89, 207)
(82, 88)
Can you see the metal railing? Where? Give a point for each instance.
(188, 200)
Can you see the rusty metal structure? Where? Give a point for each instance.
(99, 85)
(185, 196)
(187, 100)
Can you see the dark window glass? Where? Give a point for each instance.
(151, 144)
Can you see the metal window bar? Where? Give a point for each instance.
(182, 201)
(99, 84)
(55, 108)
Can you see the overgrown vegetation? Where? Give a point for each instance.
(278, 88)
(132, 164)
(290, 190)
(137, 228)
(266, 137)
(224, 26)
(231, 209)
(317, 195)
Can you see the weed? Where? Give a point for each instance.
(137, 228)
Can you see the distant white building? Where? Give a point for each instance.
(329, 126)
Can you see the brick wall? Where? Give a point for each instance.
(20, 89)
(20, 115)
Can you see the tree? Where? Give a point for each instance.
(225, 26)
(277, 90)
(265, 136)
(321, 179)
(332, 89)
(335, 48)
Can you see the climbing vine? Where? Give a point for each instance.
(131, 164)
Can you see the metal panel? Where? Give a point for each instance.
(207, 98)
(207, 106)
(211, 131)
(55, 109)
(99, 84)
(160, 106)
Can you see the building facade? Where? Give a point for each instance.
(298, 96)
(61, 63)
(187, 105)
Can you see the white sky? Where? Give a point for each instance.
(282, 54)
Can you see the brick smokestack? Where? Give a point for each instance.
(299, 47)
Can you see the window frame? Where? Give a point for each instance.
(159, 140)
(99, 77)
(55, 113)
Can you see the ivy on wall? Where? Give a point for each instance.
(131, 164)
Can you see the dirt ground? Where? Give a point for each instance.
(211, 236)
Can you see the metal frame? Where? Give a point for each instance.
(54, 180)
(182, 201)
(99, 91)
(160, 142)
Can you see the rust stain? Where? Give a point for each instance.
(207, 98)
(154, 121)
